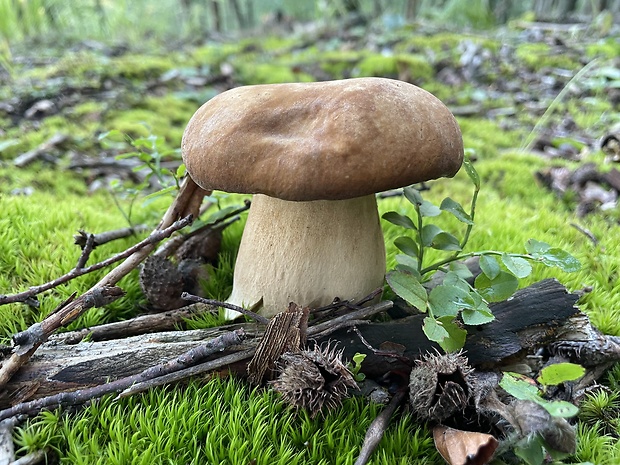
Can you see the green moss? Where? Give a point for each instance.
(165, 116)
(537, 56)
(487, 138)
(444, 45)
(608, 48)
(338, 64)
(215, 53)
(36, 242)
(266, 73)
(219, 422)
(414, 68)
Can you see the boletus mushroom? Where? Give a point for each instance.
(314, 155)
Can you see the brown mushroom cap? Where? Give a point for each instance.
(322, 140)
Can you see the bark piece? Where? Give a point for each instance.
(286, 332)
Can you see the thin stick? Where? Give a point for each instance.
(185, 205)
(217, 303)
(107, 236)
(155, 237)
(326, 328)
(82, 395)
(191, 371)
(377, 428)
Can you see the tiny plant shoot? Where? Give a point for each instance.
(455, 304)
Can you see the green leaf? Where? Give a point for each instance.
(477, 317)
(453, 279)
(489, 266)
(518, 266)
(413, 195)
(461, 270)
(399, 220)
(497, 289)
(560, 408)
(561, 259)
(531, 450)
(517, 386)
(409, 263)
(407, 245)
(434, 330)
(446, 300)
(159, 193)
(409, 288)
(456, 335)
(180, 171)
(445, 241)
(456, 209)
(535, 247)
(428, 234)
(471, 172)
(428, 209)
(559, 373)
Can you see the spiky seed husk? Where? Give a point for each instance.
(314, 379)
(440, 386)
(162, 283)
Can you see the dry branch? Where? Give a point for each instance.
(186, 205)
(377, 428)
(153, 238)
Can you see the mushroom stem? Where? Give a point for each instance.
(308, 253)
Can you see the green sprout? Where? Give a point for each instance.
(455, 301)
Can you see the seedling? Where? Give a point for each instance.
(455, 302)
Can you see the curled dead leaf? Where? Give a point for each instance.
(459, 447)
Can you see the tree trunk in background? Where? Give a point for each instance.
(238, 13)
(413, 7)
(378, 8)
(249, 13)
(217, 15)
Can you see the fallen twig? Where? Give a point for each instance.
(185, 205)
(155, 237)
(82, 395)
(108, 236)
(191, 371)
(377, 428)
(218, 303)
(135, 326)
(29, 340)
(326, 328)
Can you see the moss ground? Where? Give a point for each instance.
(222, 421)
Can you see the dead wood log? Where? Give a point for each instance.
(58, 367)
(534, 317)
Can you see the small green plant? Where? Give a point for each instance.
(356, 365)
(455, 302)
(551, 435)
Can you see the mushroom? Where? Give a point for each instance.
(314, 155)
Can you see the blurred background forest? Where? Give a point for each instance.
(42, 20)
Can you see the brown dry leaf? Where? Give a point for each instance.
(459, 447)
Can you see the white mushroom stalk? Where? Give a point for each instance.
(308, 252)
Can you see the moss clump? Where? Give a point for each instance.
(338, 64)
(608, 48)
(537, 56)
(487, 137)
(266, 73)
(412, 68)
(165, 116)
(222, 421)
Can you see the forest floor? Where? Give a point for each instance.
(538, 105)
